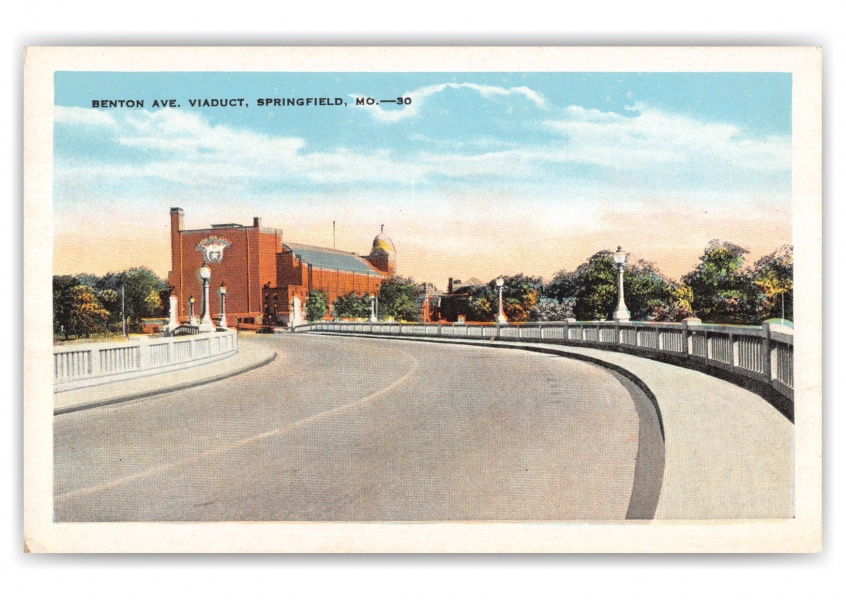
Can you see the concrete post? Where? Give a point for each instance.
(766, 351)
(173, 320)
(222, 292)
(735, 351)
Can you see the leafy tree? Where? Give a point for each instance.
(352, 306)
(647, 292)
(722, 291)
(139, 285)
(316, 306)
(565, 286)
(550, 309)
(592, 289)
(773, 277)
(398, 299)
(453, 307)
(153, 303)
(678, 308)
(85, 314)
(596, 294)
(63, 303)
(520, 295)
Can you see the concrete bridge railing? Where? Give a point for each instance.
(82, 365)
(760, 353)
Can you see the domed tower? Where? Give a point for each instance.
(383, 256)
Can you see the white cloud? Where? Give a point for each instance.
(419, 96)
(653, 137)
(184, 147)
(83, 116)
(649, 149)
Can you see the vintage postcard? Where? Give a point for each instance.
(423, 300)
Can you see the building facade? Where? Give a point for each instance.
(267, 280)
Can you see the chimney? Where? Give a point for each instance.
(256, 222)
(449, 287)
(176, 215)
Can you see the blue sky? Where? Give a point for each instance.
(482, 174)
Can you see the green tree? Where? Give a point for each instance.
(722, 291)
(678, 308)
(648, 293)
(773, 277)
(85, 313)
(63, 303)
(316, 306)
(139, 285)
(398, 299)
(352, 306)
(564, 287)
(153, 303)
(550, 309)
(592, 289)
(596, 289)
(453, 307)
(520, 294)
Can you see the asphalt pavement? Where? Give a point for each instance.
(354, 429)
(350, 429)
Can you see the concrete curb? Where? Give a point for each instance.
(166, 390)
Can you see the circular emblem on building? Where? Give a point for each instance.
(212, 248)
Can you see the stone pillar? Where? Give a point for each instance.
(173, 320)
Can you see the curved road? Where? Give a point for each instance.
(351, 429)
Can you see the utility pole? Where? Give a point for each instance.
(123, 307)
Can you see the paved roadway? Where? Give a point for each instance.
(351, 429)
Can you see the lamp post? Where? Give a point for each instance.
(123, 307)
(192, 320)
(500, 317)
(222, 291)
(622, 313)
(205, 318)
(372, 308)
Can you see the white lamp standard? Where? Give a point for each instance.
(622, 313)
(222, 291)
(205, 318)
(372, 308)
(500, 317)
(192, 319)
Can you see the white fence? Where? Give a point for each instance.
(82, 365)
(762, 353)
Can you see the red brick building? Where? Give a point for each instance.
(267, 280)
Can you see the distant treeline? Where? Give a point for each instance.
(721, 289)
(85, 305)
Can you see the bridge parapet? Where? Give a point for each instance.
(83, 365)
(760, 353)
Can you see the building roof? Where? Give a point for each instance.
(382, 243)
(335, 260)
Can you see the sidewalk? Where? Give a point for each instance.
(250, 356)
(728, 453)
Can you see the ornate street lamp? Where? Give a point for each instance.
(500, 318)
(622, 313)
(205, 318)
(192, 320)
(222, 291)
